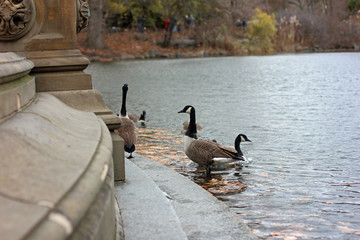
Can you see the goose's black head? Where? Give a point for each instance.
(125, 87)
(187, 109)
(243, 138)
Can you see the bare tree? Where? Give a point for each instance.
(95, 39)
(174, 10)
(322, 6)
(243, 9)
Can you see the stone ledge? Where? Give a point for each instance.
(89, 101)
(55, 164)
(57, 60)
(146, 212)
(84, 100)
(62, 81)
(202, 216)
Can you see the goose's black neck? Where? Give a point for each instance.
(142, 116)
(191, 131)
(123, 105)
(237, 146)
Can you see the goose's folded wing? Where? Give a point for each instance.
(215, 149)
(229, 150)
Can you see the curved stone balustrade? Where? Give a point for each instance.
(56, 174)
(13, 66)
(56, 161)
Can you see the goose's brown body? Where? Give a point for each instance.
(203, 152)
(127, 131)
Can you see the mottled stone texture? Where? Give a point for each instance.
(17, 89)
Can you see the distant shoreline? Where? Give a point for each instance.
(200, 54)
(125, 46)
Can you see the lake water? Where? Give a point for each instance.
(302, 113)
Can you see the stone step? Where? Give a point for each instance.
(145, 210)
(201, 215)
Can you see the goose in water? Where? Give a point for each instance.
(135, 118)
(127, 129)
(207, 152)
(142, 120)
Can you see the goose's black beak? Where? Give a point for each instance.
(182, 111)
(248, 140)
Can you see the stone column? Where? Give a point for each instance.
(44, 31)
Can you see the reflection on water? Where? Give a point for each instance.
(302, 113)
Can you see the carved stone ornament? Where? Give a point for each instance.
(83, 14)
(16, 18)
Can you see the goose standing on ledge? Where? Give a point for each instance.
(127, 129)
(207, 152)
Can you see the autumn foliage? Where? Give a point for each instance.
(236, 27)
(262, 31)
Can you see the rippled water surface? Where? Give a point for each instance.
(302, 113)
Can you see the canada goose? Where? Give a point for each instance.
(136, 119)
(142, 119)
(206, 152)
(127, 129)
(186, 126)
